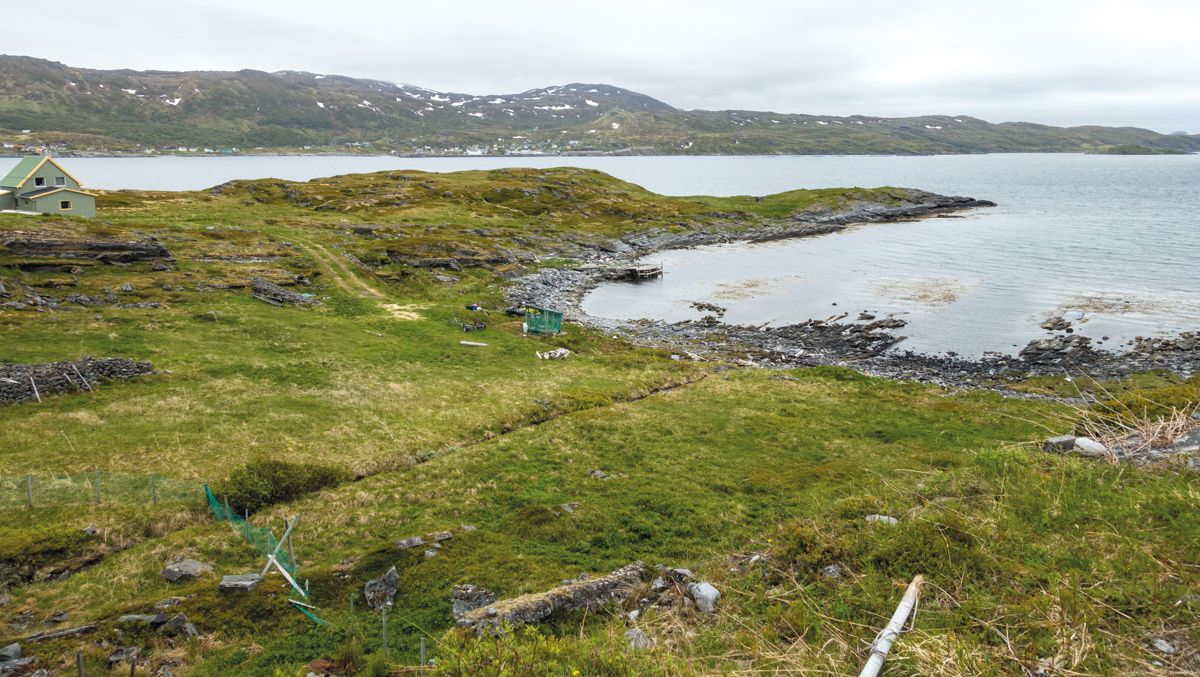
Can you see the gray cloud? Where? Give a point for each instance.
(1064, 62)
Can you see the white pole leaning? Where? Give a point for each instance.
(885, 638)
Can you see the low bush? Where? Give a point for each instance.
(265, 482)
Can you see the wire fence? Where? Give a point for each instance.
(96, 487)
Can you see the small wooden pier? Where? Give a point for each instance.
(634, 272)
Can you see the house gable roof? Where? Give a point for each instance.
(27, 167)
(18, 174)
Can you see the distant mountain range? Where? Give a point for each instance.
(44, 103)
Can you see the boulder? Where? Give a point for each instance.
(1059, 444)
(1089, 447)
(439, 536)
(185, 570)
(705, 595)
(177, 626)
(239, 582)
(15, 666)
(832, 572)
(638, 640)
(10, 652)
(380, 592)
(123, 655)
(413, 542)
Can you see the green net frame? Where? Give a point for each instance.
(543, 321)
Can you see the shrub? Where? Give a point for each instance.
(265, 482)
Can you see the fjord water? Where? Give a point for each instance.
(1110, 242)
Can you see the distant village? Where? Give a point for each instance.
(516, 146)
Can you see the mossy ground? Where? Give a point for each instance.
(1030, 557)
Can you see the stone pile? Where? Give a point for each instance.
(18, 381)
(584, 593)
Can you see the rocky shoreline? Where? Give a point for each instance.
(864, 343)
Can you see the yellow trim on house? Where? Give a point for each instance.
(51, 161)
(69, 190)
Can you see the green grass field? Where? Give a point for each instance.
(1032, 560)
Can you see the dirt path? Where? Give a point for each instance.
(343, 274)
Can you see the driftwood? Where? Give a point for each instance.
(885, 638)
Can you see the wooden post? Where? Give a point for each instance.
(883, 641)
(29, 489)
(97, 487)
(133, 667)
(228, 512)
(79, 662)
(35, 390)
(423, 663)
(153, 489)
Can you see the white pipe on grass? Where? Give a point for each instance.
(883, 642)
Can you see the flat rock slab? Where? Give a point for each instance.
(239, 582)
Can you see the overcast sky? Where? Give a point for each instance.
(1053, 61)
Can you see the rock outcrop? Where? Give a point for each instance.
(584, 593)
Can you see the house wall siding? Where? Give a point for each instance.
(8, 202)
(81, 205)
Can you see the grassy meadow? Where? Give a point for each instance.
(1033, 560)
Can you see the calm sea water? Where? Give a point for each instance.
(1110, 242)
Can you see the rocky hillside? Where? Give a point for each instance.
(79, 109)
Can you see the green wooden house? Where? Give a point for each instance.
(40, 185)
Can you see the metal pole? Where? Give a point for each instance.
(133, 667)
(29, 489)
(423, 663)
(153, 489)
(385, 646)
(79, 662)
(97, 487)
(35, 390)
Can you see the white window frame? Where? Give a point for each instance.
(38, 179)
(68, 207)
(60, 181)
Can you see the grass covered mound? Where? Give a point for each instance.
(366, 416)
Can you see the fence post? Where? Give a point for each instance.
(29, 489)
(228, 512)
(79, 662)
(97, 487)
(385, 646)
(423, 663)
(133, 667)
(153, 489)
